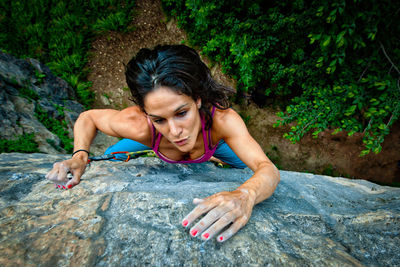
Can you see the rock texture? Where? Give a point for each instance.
(25, 86)
(28, 85)
(129, 214)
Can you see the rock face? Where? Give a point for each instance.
(129, 214)
(27, 86)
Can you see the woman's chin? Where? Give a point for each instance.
(185, 148)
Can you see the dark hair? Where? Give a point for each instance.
(180, 68)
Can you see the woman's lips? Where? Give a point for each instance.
(181, 142)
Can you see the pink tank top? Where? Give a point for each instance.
(208, 148)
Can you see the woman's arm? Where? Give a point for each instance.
(129, 123)
(235, 207)
(266, 176)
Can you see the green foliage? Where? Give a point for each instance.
(250, 42)
(335, 61)
(81, 88)
(58, 127)
(24, 144)
(28, 93)
(58, 33)
(112, 22)
(39, 76)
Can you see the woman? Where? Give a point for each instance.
(183, 115)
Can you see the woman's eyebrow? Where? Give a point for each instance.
(181, 106)
(178, 108)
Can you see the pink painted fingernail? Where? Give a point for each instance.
(185, 223)
(64, 187)
(206, 235)
(69, 186)
(221, 238)
(59, 186)
(194, 232)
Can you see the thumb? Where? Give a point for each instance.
(76, 179)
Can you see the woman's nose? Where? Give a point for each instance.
(174, 129)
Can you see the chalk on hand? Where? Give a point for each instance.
(197, 201)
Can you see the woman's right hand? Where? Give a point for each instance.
(59, 174)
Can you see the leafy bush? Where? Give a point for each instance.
(58, 33)
(335, 61)
(24, 144)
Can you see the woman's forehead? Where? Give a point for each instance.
(164, 99)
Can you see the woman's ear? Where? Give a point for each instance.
(198, 103)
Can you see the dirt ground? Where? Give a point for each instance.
(335, 155)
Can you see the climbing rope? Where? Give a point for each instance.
(129, 155)
(136, 154)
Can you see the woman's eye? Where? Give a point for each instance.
(181, 113)
(159, 121)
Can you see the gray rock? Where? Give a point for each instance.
(102, 142)
(8, 116)
(15, 71)
(129, 214)
(42, 137)
(51, 86)
(17, 111)
(72, 109)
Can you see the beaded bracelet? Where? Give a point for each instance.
(79, 151)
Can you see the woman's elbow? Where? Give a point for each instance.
(84, 115)
(272, 172)
(278, 175)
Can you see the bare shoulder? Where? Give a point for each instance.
(128, 123)
(225, 114)
(227, 122)
(130, 113)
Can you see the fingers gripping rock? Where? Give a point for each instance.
(221, 210)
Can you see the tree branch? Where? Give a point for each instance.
(368, 126)
(386, 55)
(398, 84)
(362, 74)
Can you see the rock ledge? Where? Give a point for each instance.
(128, 214)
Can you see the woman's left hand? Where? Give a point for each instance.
(222, 209)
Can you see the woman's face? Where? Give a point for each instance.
(175, 116)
